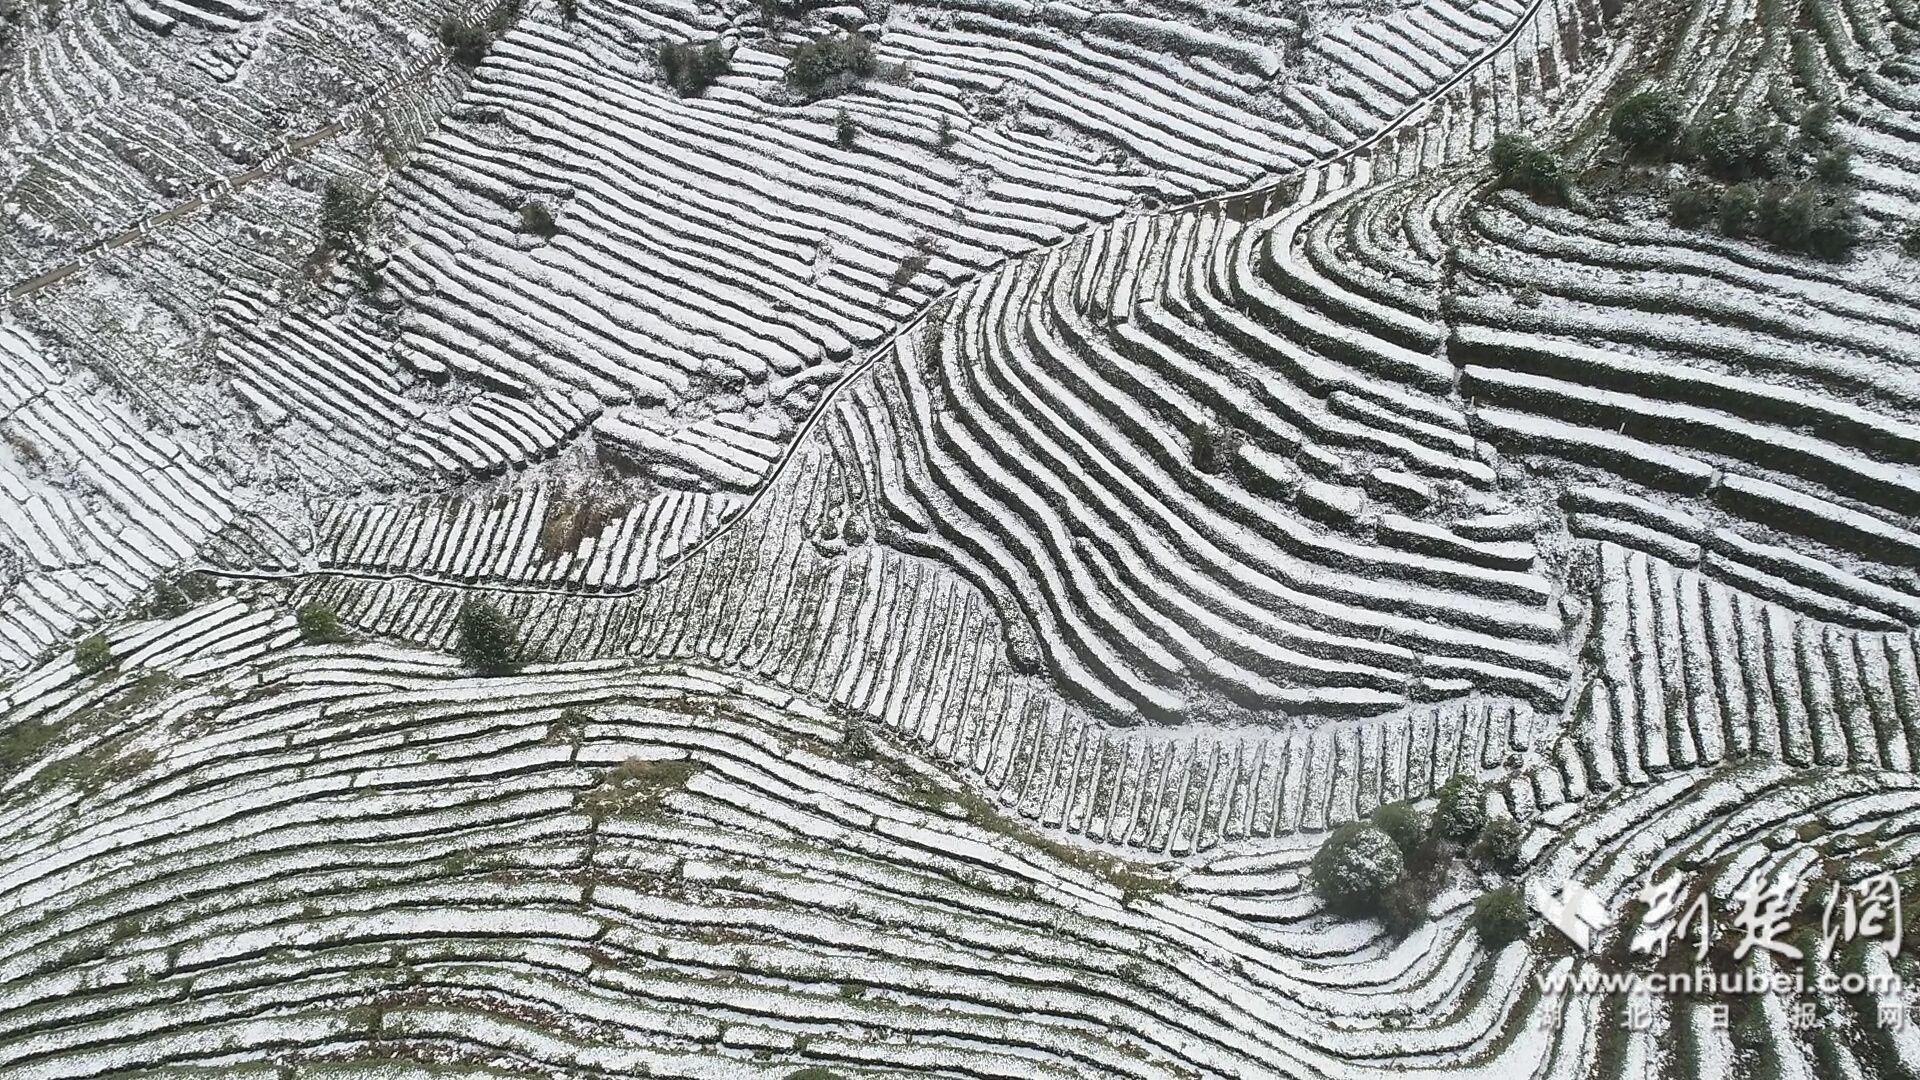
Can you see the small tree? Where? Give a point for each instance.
(1499, 844)
(1405, 825)
(1499, 917)
(1738, 204)
(1647, 123)
(468, 43)
(1355, 867)
(1690, 205)
(690, 69)
(816, 64)
(1834, 167)
(1462, 810)
(488, 641)
(1732, 147)
(538, 220)
(319, 624)
(345, 217)
(93, 655)
(569, 11)
(1519, 164)
(1910, 243)
(845, 131)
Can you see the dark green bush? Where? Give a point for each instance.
(1807, 220)
(816, 65)
(1834, 167)
(1405, 825)
(690, 69)
(1647, 123)
(346, 217)
(488, 640)
(845, 131)
(1692, 205)
(93, 654)
(538, 220)
(318, 624)
(1462, 811)
(1354, 868)
(1733, 147)
(1738, 204)
(1519, 164)
(1498, 846)
(467, 42)
(1499, 917)
(1405, 906)
(1910, 243)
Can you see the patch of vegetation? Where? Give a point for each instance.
(1910, 243)
(1691, 205)
(488, 640)
(1520, 164)
(1648, 124)
(845, 131)
(690, 69)
(1462, 811)
(1213, 447)
(93, 655)
(830, 63)
(569, 12)
(1355, 869)
(1498, 845)
(346, 217)
(815, 1072)
(538, 220)
(175, 596)
(1733, 147)
(1404, 825)
(856, 741)
(637, 786)
(22, 743)
(470, 42)
(1499, 917)
(319, 624)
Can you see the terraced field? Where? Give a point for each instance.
(969, 531)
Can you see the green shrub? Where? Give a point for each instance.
(1733, 147)
(815, 1072)
(1405, 825)
(1691, 205)
(93, 655)
(856, 742)
(467, 42)
(1499, 917)
(569, 11)
(1462, 811)
(818, 64)
(318, 624)
(845, 131)
(1498, 846)
(690, 69)
(1355, 867)
(1647, 123)
(1807, 220)
(1738, 204)
(1405, 906)
(1834, 167)
(1910, 243)
(538, 220)
(346, 217)
(22, 743)
(488, 640)
(1523, 166)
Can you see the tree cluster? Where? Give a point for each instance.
(690, 69)
(1391, 866)
(487, 639)
(829, 63)
(1522, 165)
(1753, 178)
